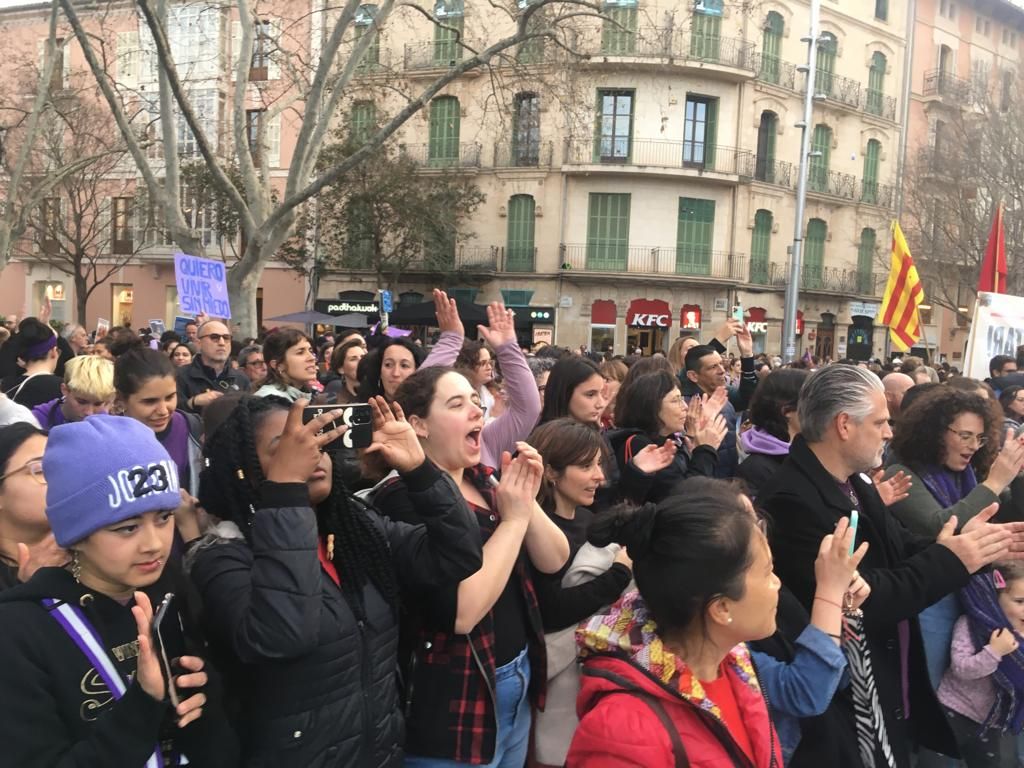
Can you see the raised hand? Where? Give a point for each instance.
(654, 458)
(712, 431)
(501, 325)
(43, 555)
(727, 330)
(532, 457)
(297, 454)
(1007, 465)
(447, 313)
(393, 437)
(694, 414)
(895, 489)
(744, 341)
(980, 542)
(517, 491)
(835, 569)
(714, 403)
(147, 672)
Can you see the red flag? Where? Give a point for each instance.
(993, 266)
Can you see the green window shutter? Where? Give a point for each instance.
(360, 244)
(866, 260)
(608, 232)
(364, 118)
(448, 42)
(711, 137)
(869, 192)
(521, 222)
(821, 145)
(444, 131)
(876, 83)
(364, 26)
(706, 37)
(618, 33)
(882, 10)
(760, 246)
(694, 236)
(771, 47)
(825, 64)
(814, 253)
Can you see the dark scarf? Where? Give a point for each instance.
(946, 486)
(981, 604)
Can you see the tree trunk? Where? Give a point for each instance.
(242, 290)
(81, 298)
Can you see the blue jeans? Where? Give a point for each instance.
(937, 622)
(512, 682)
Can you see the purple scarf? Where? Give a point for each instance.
(756, 440)
(981, 604)
(946, 486)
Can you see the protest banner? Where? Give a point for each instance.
(202, 286)
(997, 329)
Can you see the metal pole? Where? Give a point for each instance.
(793, 288)
(908, 61)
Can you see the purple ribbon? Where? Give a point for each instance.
(39, 349)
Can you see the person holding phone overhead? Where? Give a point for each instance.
(86, 688)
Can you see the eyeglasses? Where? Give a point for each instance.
(677, 400)
(34, 467)
(256, 364)
(217, 337)
(969, 437)
(485, 364)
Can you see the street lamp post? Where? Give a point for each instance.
(795, 253)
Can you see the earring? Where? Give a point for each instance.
(76, 567)
(729, 620)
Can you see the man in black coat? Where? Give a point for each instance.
(844, 425)
(209, 375)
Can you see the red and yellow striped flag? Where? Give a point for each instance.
(903, 295)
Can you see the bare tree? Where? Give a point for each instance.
(315, 89)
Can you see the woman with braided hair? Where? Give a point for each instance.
(301, 581)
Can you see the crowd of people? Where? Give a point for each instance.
(541, 557)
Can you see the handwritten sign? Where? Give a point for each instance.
(202, 286)
(997, 329)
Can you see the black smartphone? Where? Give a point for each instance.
(158, 631)
(358, 417)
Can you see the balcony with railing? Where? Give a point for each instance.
(687, 157)
(526, 154)
(878, 104)
(692, 262)
(518, 259)
(729, 52)
(821, 181)
(462, 258)
(776, 172)
(873, 193)
(444, 154)
(666, 46)
(773, 70)
(944, 85)
(438, 54)
(837, 89)
(816, 278)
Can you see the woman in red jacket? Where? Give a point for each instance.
(667, 680)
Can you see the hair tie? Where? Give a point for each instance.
(997, 579)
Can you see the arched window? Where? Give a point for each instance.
(771, 47)
(821, 150)
(760, 246)
(764, 169)
(866, 260)
(876, 82)
(443, 148)
(825, 64)
(814, 253)
(869, 185)
(519, 246)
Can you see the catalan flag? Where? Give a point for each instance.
(903, 295)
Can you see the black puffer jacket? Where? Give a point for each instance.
(640, 487)
(317, 688)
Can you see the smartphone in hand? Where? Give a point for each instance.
(358, 417)
(159, 631)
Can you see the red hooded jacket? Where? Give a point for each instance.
(642, 708)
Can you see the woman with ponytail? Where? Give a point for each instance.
(667, 677)
(301, 581)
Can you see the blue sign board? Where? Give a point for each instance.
(202, 286)
(385, 302)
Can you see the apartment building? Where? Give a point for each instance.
(962, 48)
(642, 182)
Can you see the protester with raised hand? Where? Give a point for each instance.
(843, 427)
(301, 581)
(87, 688)
(475, 653)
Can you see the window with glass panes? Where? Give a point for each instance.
(866, 260)
(876, 82)
(448, 33)
(825, 64)
(706, 36)
(261, 48)
(882, 10)
(771, 47)
(821, 150)
(764, 166)
(869, 193)
(363, 121)
(618, 32)
(608, 231)
(694, 236)
(615, 126)
(700, 127)
(814, 253)
(445, 119)
(121, 225)
(364, 26)
(760, 246)
(253, 120)
(521, 222)
(526, 130)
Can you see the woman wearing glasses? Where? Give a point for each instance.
(947, 442)
(650, 419)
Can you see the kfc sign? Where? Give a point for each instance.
(648, 313)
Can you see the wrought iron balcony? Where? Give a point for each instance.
(646, 42)
(843, 90)
(526, 154)
(826, 182)
(877, 103)
(660, 153)
(518, 259)
(692, 261)
(461, 258)
(772, 69)
(444, 154)
(722, 51)
(938, 82)
(668, 43)
(873, 193)
(775, 172)
(438, 54)
(816, 278)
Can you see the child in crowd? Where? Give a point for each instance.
(983, 689)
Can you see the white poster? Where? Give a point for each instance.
(997, 329)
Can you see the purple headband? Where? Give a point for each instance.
(39, 349)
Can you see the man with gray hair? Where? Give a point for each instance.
(890, 704)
